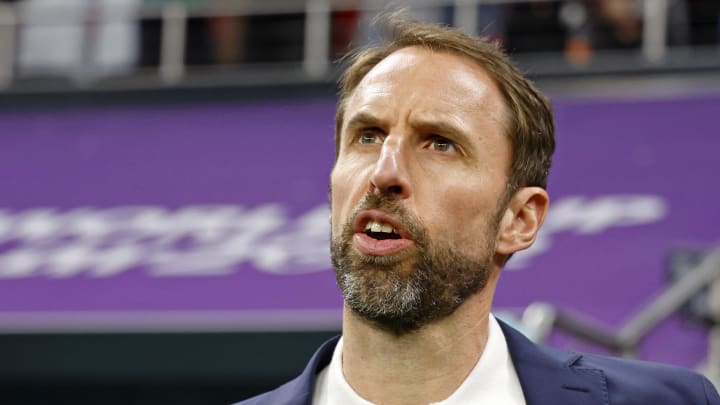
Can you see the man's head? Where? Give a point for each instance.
(528, 119)
(442, 155)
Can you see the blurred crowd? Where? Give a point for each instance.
(108, 36)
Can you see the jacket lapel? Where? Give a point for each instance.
(300, 390)
(550, 376)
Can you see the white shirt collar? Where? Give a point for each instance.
(493, 379)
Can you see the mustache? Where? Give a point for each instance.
(409, 222)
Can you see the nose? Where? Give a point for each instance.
(390, 176)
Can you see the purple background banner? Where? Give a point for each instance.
(217, 215)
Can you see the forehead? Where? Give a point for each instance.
(430, 82)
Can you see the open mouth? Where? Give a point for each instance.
(380, 231)
(379, 234)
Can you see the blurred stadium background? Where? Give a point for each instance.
(163, 219)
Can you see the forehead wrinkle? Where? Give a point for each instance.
(474, 92)
(362, 107)
(455, 119)
(482, 105)
(442, 122)
(388, 76)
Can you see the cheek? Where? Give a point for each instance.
(462, 213)
(346, 192)
(337, 217)
(337, 191)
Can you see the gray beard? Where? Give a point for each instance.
(398, 299)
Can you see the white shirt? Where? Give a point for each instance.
(493, 380)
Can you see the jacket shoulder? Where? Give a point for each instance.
(286, 394)
(299, 390)
(547, 374)
(641, 382)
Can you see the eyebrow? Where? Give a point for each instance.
(363, 119)
(442, 128)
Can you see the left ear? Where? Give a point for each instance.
(522, 219)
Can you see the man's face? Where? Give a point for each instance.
(418, 188)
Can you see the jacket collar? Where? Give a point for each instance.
(300, 390)
(547, 376)
(551, 376)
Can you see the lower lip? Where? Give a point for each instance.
(375, 247)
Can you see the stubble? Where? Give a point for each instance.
(404, 292)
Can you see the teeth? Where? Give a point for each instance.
(374, 226)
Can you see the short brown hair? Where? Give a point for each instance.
(529, 122)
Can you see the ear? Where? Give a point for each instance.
(522, 219)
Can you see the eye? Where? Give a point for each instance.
(441, 144)
(369, 136)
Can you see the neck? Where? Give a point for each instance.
(420, 367)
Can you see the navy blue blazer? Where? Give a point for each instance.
(550, 376)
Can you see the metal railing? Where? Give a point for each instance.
(316, 60)
(543, 318)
